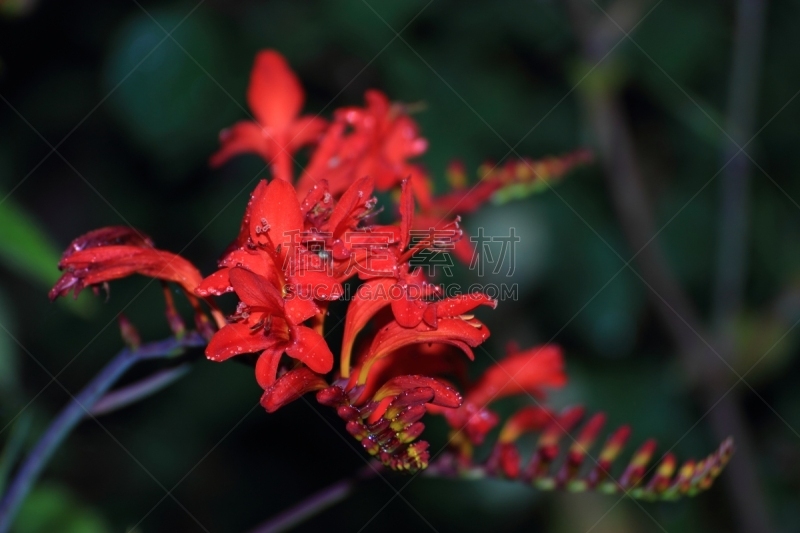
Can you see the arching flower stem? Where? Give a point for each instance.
(78, 409)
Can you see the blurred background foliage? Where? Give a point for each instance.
(132, 97)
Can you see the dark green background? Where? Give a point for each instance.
(140, 113)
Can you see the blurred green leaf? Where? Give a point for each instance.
(12, 448)
(53, 508)
(27, 251)
(24, 248)
(9, 363)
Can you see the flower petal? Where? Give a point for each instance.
(521, 373)
(244, 228)
(243, 137)
(310, 348)
(109, 236)
(345, 215)
(274, 95)
(216, 284)
(407, 311)
(256, 291)
(290, 387)
(299, 309)
(99, 264)
(267, 366)
(318, 194)
(305, 130)
(276, 218)
(444, 394)
(454, 331)
(464, 303)
(236, 339)
(256, 262)
(371, 297)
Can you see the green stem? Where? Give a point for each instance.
(75, 411)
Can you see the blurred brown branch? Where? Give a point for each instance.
(703, 363)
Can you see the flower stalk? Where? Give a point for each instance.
(317, 502)
(78, 409)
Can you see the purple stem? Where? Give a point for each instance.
(75, 411)
(316, 503)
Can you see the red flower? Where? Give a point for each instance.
(112, 253)
(375, 141)
(526, 372)
(277, 280)
(261, 324)
(116, 252)
(291, 386)
(403, 346)
(451, 325)
(394, 282)
(270, 244)
(276, 97)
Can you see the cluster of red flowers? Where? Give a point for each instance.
(405, 346)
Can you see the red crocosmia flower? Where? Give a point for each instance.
(336, 226)
(276, 97)
(375, 141)
(404, 345)
(394, 282)
(526, 372)
(116, 252)
(261, 324)
(277, 280)
(272, 247)
(383, 405)
(453, 326)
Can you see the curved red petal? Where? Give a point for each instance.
(299, 309)
(244, 228)
(106, 263)
(305, 130)
(267, 366)
(464, 303)
(345, 215)
(524, 372)
(290, 387)
(216, 284)
(316, 195)
(236, 339)
(453, 331)
(257, 262)
(371, 297)
(275, 95)
(256, 291)
(276, 219)
(444, 394)
(310, 348)
(241, 138)
(407, 311)
(108, 236)
(315, 283)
